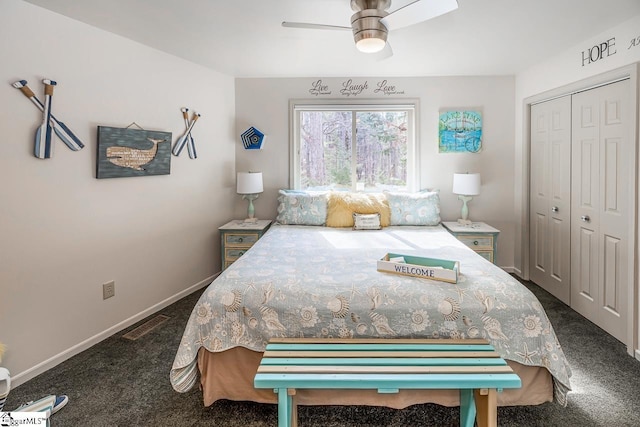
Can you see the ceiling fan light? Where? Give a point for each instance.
(369, 33)
(370, 45)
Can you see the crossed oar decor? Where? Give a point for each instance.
(187, 138)
(50, 125)
(44, 137)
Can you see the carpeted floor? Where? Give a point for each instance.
(119, 382)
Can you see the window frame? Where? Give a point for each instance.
(410, 105)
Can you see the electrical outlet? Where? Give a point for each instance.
(108, 289)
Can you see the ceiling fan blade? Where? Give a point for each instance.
(418, 11)
(313, 26)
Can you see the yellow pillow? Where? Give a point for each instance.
(342, 205)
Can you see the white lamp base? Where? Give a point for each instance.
(250, 210)
(465, 210)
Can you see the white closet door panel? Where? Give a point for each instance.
(539, 205)
(585, 198)
(559, 246)
(600, 212)
(611, 263)
(539, 237)
(550, 198)
(614, 209)
(584, 272)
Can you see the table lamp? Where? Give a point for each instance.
(250, 186)
(466, 185)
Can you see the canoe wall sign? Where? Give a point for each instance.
(124, 152)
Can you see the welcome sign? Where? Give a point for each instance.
(426, 268)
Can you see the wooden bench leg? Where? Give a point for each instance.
(487, 407)
(284, 408)
(294, 407)
(467, 408)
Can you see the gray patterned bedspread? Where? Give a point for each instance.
(304, 281)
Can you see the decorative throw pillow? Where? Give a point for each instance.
(421, 208)
(301, 208)
(342, 205)
(366, 221)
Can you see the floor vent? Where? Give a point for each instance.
(146, 327)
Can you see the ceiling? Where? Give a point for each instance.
(244, 38)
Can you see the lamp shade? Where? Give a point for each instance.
(249, 183)
(467, 184)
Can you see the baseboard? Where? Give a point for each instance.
(36, 370)
(517, 272)
(637, 354)
(509, 269)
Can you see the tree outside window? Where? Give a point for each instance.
(328, 156)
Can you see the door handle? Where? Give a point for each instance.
(585, 218)
(554, 209)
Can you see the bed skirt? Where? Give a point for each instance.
(229, 375)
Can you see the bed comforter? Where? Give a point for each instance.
(305, 281)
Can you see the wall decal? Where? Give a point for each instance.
(319, 88)
(252, 139)
(187, 137)
(634, 42)
(599, 51)
(387, 89)
(349, 88)
(44, 138)
(460, 131)
(124, 152)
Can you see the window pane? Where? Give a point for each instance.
(381, 150)
(354, 147)
(325, 149)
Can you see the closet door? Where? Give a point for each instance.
(550, 201)
(600, 210)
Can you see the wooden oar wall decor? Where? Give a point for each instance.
(187, 137)
(50, 125)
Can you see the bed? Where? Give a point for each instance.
(315, 281)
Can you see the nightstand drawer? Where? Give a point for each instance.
(232, 254)
(488, 255)
(237, 236)
(477, 242)
(480, 237)
(242, 240)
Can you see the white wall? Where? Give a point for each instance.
(553, 74)
(64, 232)
(264, 103)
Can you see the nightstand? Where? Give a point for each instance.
(480, 237)
(237, 236)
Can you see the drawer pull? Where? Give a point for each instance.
(475, 242)
(240, 239)
(240, 253)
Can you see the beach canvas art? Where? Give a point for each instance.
(460, 132)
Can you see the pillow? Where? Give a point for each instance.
(301, 208)
(341, 206)
(366, 221)
(421, 208)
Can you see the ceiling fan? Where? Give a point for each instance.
(371, 21)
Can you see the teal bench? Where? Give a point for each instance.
(387, 365)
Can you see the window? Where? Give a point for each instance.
(326, 155)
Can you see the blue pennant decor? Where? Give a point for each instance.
(252, 139)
